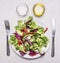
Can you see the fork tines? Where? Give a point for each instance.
(7, 25)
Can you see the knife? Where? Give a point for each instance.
(53, 38)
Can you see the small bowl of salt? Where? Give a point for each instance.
(22, 9)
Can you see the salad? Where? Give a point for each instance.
(29, 37)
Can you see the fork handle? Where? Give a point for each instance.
(53, 47)
(8, 48)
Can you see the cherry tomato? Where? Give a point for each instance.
(25, 30)
(20, 42)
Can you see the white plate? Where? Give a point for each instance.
(44, 50)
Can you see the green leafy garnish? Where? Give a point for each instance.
(28, 36)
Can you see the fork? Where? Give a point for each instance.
(7, 27)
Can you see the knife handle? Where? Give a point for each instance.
(53, 47)
(8, 49)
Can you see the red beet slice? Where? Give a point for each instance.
(32, 53)
(22, 53)
(17, 36)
